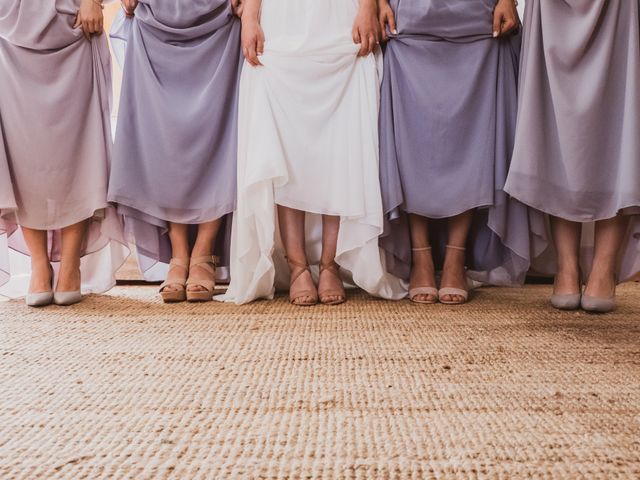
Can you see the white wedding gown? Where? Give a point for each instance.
(308, 139)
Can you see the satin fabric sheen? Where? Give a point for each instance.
(55, 144)
(577, 151)
(308, 140)
(447, 124)
(176, 140)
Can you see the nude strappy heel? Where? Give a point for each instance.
(207, 263)
(295, 295)
(454, 291)
(414, 292)
(178, 284)
(333, 268)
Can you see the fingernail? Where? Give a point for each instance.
(395, 32)
(495, 34)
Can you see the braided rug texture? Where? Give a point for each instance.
(122, 386)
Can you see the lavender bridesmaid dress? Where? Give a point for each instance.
(55, 141)
(577, 152)
(176, 138)
(447, 122)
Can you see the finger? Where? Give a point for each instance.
(77, 23)
(392, 23)
(508, 26)
(253, 55)
(355, 34)
(497, 22)
(85, 30)
(364, 46)
(260, 44)
(373, 43)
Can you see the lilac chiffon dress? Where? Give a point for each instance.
(447, 123)
(55, 141)
(577, 151)
(176, 137)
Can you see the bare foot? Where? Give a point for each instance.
(175, 276)
(331, 283)
(423, 274)
(41, 277)
(197, 273)
(302, 290)
(454, 275)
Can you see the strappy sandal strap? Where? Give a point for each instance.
(333, 268)
(179, 282)
(207, 263)
(302, 267)
(295, 274)
(451, 292)
(421, 249)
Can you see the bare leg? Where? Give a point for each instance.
(609, 236)
(207, 233)
(72, 241)
(423, 272)
(566, 238)
(179, 237)
(453, 272)
(40, 264)
(293, 237)
(329, 278)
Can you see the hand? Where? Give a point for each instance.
(386, 17)
(366, 29)
(129, 7)
(252, 41)
(505, 17)
(238, 7)
(90, 18)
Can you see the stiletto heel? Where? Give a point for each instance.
(425, 290)
(179, 283)
(294, 295)
(207, 263)
(451, 290)
(333, 268)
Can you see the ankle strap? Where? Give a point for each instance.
(421, 249)
(213, 259)
(453, 247)
(180, 262)
(297, 264)
(332, 265)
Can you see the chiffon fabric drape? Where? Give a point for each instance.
(308, 140)
(577, 151)
(55, 141)
(447, 124)
(176, 138)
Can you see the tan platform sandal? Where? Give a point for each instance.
(333, 268)
(207, 263)
(295, 295)
(451, 290)
(415, 292)
(179, 293)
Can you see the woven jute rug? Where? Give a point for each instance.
(123, 386)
